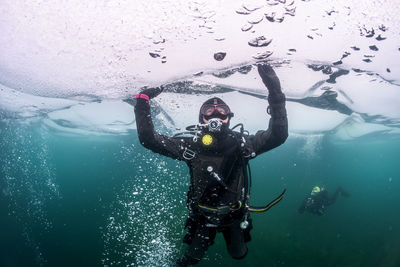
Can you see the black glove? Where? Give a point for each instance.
(152, 92)
(271, 81)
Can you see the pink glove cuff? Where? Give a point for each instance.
(146, 97)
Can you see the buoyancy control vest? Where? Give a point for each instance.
(217, 164)
(217, 175)
(220, 173)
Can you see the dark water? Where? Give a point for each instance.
(105, 201)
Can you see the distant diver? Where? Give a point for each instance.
(318, 199)
(218, 160)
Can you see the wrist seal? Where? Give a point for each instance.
(143, 96)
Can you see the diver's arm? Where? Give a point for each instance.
(148, 137)
(277, 131)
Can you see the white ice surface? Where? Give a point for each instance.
(61, 54)
(117, 117)
(101, 48)
(27, 105)
(107, 117)
(354, 127)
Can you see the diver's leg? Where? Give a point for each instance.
(202, 239)
(332, 199)
(338, 191)
(235, 240)
(191, 225)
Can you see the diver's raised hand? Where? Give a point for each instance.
(271, 81)
(152, 92)
(269, 78)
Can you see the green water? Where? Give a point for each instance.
(106, 201)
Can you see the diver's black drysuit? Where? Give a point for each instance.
(216, 205)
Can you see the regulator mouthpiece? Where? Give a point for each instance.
(214, 125)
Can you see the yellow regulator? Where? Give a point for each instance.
(207, 139)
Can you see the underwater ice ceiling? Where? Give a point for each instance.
(109, 49)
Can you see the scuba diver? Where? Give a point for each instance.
(217, 157)
(318, 199)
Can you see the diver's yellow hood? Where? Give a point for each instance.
(316, 190)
